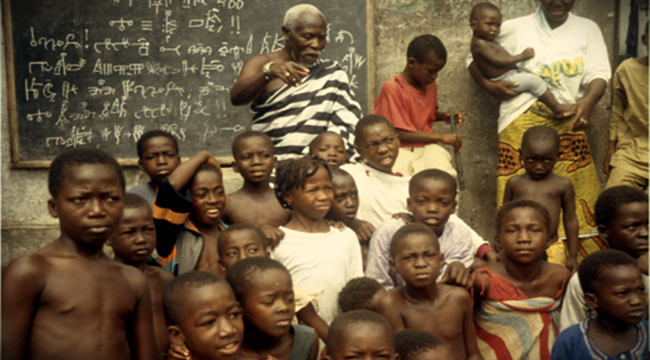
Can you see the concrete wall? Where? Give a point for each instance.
(26, 225)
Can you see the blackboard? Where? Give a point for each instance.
(101, 72)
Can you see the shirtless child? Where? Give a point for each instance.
(540, 149)
(254, 160)
(439, 309)
(132, 244)
(494, 62)
(69, 300)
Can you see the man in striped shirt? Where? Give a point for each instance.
(295, 96)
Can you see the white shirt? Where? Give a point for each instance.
(325, 261)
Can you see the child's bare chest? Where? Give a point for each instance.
(547, 193)
(209, 260)
(263, 211)
(441, 319)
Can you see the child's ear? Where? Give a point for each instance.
(357, 148)
(223, 266)
(603, 232)
(393, 268)
(275, 162)
(176, 335)
(472, 24)
(411, 62)
(288, 198)
(140, 165)
(267, 253)
(591, 300)
(51, 207)
(234, 167)
(408, 205)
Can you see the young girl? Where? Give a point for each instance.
(517, 300)
(316, 255)
(263, 287)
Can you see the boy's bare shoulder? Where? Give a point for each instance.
(392, 299)
(159, 274)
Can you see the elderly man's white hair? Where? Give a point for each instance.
(292, 16)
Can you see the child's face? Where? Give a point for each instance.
(136, 235)
(621, 298)
(417, 260)
(315, 200)
(237, 245)
(329, 147)
(523, 236)
(254, 159)
(488, 25)
(363, 340)
(379, 145)
(208, 197)
(539, 158)
(425, 73)
(269, 306)
(432, 202)
(629, 230)
(211, 327)
(442, 352)
(346, 199)
(89, 204)
(159, 158)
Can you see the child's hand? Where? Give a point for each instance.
(363, 229)
(453, 140)
(273, 235)
(336, 224)
(446, 117)
(491, 257)
(457, 274)
(212, 161)
(406, 217)
(572, 265)
(528, 53)
(178, 352)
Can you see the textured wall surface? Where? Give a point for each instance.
(27, 226)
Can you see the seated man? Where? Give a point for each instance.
(274, 82)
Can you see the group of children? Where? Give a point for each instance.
(275, 269)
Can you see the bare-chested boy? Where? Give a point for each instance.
(496, 63)
(133, 243)
(439, 309)
(540, 149)
(69, 300)
(255, 203)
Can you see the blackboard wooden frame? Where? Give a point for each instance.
(16, 163)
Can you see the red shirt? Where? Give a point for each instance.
(406, 107)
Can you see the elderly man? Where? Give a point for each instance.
(295, 96)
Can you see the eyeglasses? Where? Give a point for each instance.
(387, 141)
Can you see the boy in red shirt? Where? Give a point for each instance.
(409, 101)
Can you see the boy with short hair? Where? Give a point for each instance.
(255, 203)
(344, 209)
(414, 344)
(626, 161)
(361, 293)
(540, 150)
(409, 101)
(203, 316)
(132, 244)
(157, 157)
(495, 63)
(432, 200)
(187, 213)
(622, 220)
(383, 192)
(422, 303)
(361, 334)
(330, 147)
(69, 300)
(613, 287)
